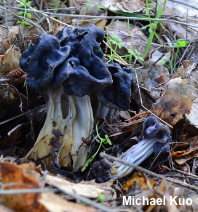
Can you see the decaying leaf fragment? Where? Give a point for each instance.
(10, 60)
(16, 77)
(140, 182)
(5, 209)
(152, 197)
(55, 203)
(183, 156)
(193, 115)
(90, 10)
(9, 100)
(150, 77)
(176, 101)
(8, 40)
(21, 177)
(131, 6)
(183, 10)
(87, 189)
(158, 86)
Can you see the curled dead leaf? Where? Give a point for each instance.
(185, 155)
(100, 23)
(55, 203)
(131, 6)
(176, 101)
(10, 60)
(21, 177)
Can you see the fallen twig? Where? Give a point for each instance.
(107, 17)
(25, 191)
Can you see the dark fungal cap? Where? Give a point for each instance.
(85, 45)
(77, 80)
(117, 95)
(154, 129)
(75, 36)
(72, 59)
(41, 59)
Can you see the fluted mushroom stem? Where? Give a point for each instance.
(101, 111)
(135, 155)
(73, 117)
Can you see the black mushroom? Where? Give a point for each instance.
(66, 69)
(117, 96)
(155, 138)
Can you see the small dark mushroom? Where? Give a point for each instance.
(101, 170)
(117, 96)
(155, 138)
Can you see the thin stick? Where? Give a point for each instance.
(15, 128)
(26, 19)
(107, 17)
(15, 117)
(185, 173)
(25, 191)
(138, 115)
(46, 14)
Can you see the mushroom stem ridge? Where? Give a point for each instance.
(68, 114)
(135, 155)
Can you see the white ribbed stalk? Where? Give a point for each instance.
(135, 155)
(74, 119)
(101, 111)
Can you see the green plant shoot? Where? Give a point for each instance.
(136, 54)
(25, 14)
(114, 39)
(180, 43)
(117, 42)
(105, 140)
(153, 26)
(51, 4)
(100, 198)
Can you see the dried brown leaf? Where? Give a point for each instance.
(131, 6)
(140, 182)
(21, 177)
(100, 23)
(88, 189)
(5, 209)
(188, 154)
(10, 60)
(55, 203)
(177, 101)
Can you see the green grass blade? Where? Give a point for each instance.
(155, 23)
